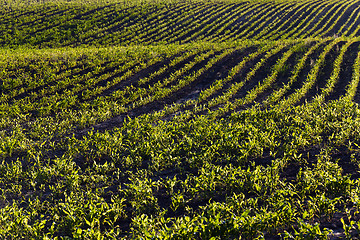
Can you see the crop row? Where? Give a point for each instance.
(61, 24)
(47, 97)
(91, 86)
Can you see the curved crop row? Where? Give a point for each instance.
(182, 22)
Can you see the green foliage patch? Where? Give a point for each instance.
(197, 179)
(222, 119)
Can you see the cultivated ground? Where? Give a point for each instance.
(167, 119)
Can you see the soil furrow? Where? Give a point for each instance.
(323, 75)
(346, 71)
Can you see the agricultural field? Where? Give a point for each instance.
(179, 119)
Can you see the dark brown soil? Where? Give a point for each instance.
(305, 71)
(290, 17)
(329, 19)
(189, 21)
(225, 67)
(311, 18)
(323, 75)
(343, 19)
(234, 14)
(283, 77)
(346, 72)
(274, 17)
(263, 72)
(315, 17)
(206, 21)
(243, 24)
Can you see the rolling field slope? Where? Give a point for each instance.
(166, 119)
(124, 23)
